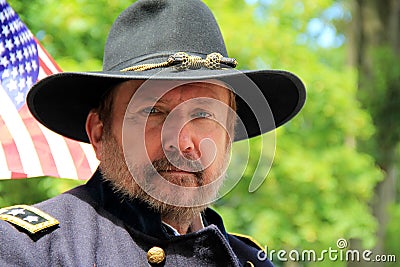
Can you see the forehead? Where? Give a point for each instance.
(170, 91)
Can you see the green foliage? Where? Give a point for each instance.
(33, 190)
(319, 186)
(392, 245)
(381, 96)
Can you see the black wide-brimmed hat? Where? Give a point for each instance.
(166, 40)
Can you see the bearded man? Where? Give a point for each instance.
(161, 117)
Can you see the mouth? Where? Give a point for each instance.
(181, 177)
(175, 172)
(172, 169)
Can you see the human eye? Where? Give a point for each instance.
(150, 110)
(201, 114)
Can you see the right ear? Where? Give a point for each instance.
(94, 130)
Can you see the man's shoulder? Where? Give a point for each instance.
(27, 231)
(81, 231)
(34, 220)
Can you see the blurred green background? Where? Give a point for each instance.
(335, 172)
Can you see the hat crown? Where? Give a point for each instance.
(152, 29)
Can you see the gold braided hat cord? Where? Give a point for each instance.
(183, 61)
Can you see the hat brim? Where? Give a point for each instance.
(62, 101)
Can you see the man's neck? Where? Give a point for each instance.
(185, 227)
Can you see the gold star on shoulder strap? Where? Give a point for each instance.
(29, 218)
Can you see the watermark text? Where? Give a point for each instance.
(339, 253)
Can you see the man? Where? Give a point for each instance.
(161, 117)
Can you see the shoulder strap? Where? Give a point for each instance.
(248, 240)
(27, 217)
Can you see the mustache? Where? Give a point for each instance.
(177, 162)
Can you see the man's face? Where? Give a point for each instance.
(171, 137)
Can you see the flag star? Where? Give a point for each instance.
(19, 25)
(15, 212)
(26, 53)
(19, 55)
(14, 72)
(6, 13)
(16, 41)
(28, 66)
(4, 61)
(12, 85)
(34, 65)
(12, 29)
(21, 84)
(24, 37)
(30, 50)
(5, 31)
(6, 74)
(9, 44)
(31, 218)
(33, 46)
(29, 82)
(21, 69)
(12, 58)
(21, 38)
(19, 98)
(16, 25)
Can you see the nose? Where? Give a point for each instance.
(178, 135)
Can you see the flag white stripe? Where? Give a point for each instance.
(60, 153)
(4, 172)
(41, 74)
(23, 140)
(46, 60)
(90, 156)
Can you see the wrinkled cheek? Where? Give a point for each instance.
(208, 152)
(215, 173)
(133, 145)
(212, 147)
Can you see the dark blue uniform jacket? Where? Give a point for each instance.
(99, 228)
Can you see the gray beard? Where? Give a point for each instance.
(115, 169)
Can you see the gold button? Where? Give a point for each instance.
(155, 255)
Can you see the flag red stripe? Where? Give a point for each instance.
(39, 141)
(49, 57)
(16, 175)
(79, 159)
(10, 148)
(46, 70)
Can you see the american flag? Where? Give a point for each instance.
(27, 148)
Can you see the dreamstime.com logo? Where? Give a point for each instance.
(339, 253)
